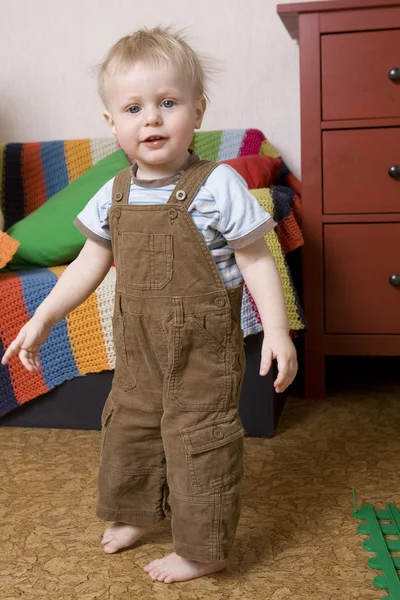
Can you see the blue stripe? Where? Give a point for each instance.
(226, 251)
(231, 142)
(223, 250)
(54, 167)
(157, 199)
(229, 269)
(228, 263)
(283, 198)
(202, 200)
(7, 396)
(232, 282)
(149, 201)
(195, 208)
(207, 216)
(165, 188)
(55, 354)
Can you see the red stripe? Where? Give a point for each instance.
(14, 315)
(251, 143)
(32, 177)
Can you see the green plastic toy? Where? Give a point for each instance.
(376, 529)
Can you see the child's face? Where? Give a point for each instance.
(153, 113)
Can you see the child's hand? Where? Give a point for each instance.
(277, 344)
(27, 344)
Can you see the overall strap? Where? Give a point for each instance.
(188, 186)
(121, 187)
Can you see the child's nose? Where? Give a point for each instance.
(153, 116)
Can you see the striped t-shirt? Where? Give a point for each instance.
(223, 210)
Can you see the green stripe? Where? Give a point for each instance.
(207, 143)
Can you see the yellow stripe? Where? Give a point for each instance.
(58, 270)
(267, 149)
(78, 157)
(265, 200)
(85, 334)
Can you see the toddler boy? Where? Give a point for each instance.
(184, 234)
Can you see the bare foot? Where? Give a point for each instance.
(175, 568)
(121, 535)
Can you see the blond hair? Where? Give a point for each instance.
(158, 46)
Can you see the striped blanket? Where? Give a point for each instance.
(82, 342)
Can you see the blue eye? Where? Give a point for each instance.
(168, 103)
(134, 109)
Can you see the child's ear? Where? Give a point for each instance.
(110, 121)
(201, 106)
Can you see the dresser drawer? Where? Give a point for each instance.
(359, 260)
(355, 75)
(356, 164)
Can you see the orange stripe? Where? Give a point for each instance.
(26, 385)
(86, 337)
(294, 183)
(86, 334)
(78, 157)
(289, 234)
(32, 177)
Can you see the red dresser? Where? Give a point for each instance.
(350, 155)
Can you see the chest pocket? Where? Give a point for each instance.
(146, 260)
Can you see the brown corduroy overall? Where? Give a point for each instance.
(172, 439)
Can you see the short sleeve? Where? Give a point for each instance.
(92, 221)
(242, 219)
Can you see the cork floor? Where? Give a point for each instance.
(296, 540)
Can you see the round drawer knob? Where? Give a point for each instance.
(394, 74)
(394, 280)
(394, 171)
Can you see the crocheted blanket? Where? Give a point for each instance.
(82, 342)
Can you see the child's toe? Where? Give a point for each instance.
(111, 547)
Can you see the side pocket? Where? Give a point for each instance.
(214, 452)
(122, 379)
(105, 421)
(208, 338)
(202, 346)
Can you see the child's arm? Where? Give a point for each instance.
(76, 284)
(258, 268)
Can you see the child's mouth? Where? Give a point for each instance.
(154, 140)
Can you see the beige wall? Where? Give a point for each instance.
(48, 49)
